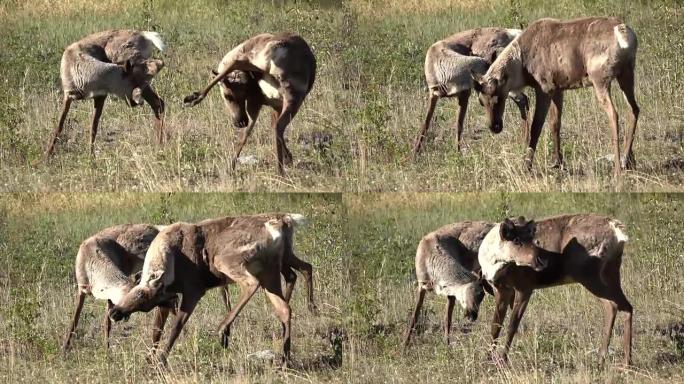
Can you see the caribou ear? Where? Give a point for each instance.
(156, 279)
(136, 95)
(127, 67)
(487, 287)
(531, 228)
(507, 230)
(154, 66)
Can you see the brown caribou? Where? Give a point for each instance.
(189, 259)
(519, 256)
(273, 70)
(552, 56)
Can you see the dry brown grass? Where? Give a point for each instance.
(378, 9)
(65, 8)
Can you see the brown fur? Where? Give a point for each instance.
(552, 56)
(285, 61)
(582, 249)
(192, 258)
(110, 258)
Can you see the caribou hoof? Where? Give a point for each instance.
(225, 336)
(287, 158)
(284, 363)
(151, 358)
(313, 308)
(156, 360)
(628, 162)
(557, 164)
(192, 100)
(529, 158)
(499, 359)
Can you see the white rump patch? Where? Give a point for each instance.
(619, 233)
(514, 32)
(622, 36)
(297, 219)
(154, 38)
(275, 233)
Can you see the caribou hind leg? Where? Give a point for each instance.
(432, 102)
(626, 82)
(602, 90)
(614, 300)
(66, 104)
(462, 108)
(80, 297)
(273, 289)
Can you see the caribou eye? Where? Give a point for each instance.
(229, 97)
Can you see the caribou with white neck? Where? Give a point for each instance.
(519, 256)
(190, 259)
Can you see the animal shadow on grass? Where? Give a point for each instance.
(329, 360)
(674, 332)
(332, 360)
(674, 165)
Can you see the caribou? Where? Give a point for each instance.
(448, 67)
(552, 56)
(116, 62)
(189, 259)
(273, 70)
(446, 263)
(519, 256)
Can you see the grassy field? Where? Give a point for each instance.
(39, 237)
(369, 94)
(559, 335)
